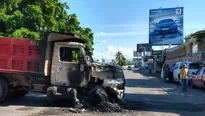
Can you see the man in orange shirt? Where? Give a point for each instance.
(184, 77)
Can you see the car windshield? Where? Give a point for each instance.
(194, 66)
(166, 21)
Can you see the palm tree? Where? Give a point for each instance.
(118, 55)
(121, 60)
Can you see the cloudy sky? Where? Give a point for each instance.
(119, 25)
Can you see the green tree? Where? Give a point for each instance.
(121, 60)
(32, 18)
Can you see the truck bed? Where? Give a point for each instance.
(19, 55)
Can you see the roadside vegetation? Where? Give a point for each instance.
(32, 18)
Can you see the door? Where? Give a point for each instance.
(198, 78)
(175, 72)
(67, 66)
(162, 72)
(165, 71)
(193, 67)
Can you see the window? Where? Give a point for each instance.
(172, 68)
(194, 66)
(69, 54)
(176, 66)
(166, 67)
(181, 64)
(203, 72)
(198, 73)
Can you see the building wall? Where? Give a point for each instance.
(184, 53)
(193, 57)
(185, 50)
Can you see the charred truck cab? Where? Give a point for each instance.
(58, 65)
(70, 69)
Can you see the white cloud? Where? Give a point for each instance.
(104, 41)
(121, 33)
(110, 52)
(101, 34)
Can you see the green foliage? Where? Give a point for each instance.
(32, 18)
(195, 37)
(24, 32)
(121, 60)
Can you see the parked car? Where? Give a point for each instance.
(198, 78)
(192, 67)
(165, 26)
(129, 68)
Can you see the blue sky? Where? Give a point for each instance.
(119, 25)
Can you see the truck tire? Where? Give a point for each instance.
(19, 93)
(4, 90)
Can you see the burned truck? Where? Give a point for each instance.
(59, 65)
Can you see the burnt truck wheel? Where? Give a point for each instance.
(4, 90)
(19, 93)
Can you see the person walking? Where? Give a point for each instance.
(184, 78)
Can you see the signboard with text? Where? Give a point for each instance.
(157, 52)
(144, 47)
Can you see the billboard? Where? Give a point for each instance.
(144, 47)
(137, 54)
(166, 26)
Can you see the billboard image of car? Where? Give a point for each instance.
(166, 26)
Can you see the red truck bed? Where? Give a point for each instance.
(19, 55)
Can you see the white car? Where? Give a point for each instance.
(191, 66)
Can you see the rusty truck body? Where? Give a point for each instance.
(58, 65)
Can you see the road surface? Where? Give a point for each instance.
(145, 94)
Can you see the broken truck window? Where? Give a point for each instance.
(69, 54)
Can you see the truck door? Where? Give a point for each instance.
(67, 66)
(175, 72)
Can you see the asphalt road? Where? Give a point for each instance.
(152, 96)
(145, 95)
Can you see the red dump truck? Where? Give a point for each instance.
(57, 65)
